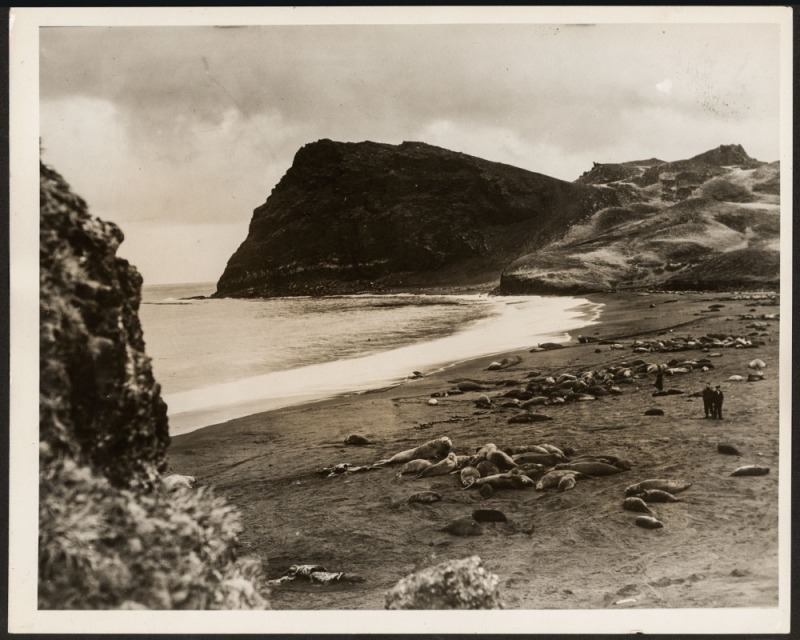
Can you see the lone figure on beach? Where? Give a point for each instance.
(716, 403)
(708, 397)
(659, 380)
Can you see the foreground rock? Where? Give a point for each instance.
(455, 584)
(113, 532)
(99, 402)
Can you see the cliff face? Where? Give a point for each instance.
(99, 402)
(365, 216)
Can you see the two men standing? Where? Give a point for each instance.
(712, 401)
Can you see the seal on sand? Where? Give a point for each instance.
(547, 459)
(751, 470)
(440, 468)
(637, 504)
(356, 440)
(489, 515)
(414, 466)
(656, 495)
(649, 522)
(434, 449)
(468, 476)
(566, 483)
(588, 468)
(670, 486)
(486, 468)
(552, 478)
(728, 449)
(501, 459)
(466, 526)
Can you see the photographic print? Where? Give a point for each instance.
(348, 316)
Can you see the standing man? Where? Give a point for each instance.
(717, 403)
(708, 397)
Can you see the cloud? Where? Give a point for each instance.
(195, 126)
(665, 87)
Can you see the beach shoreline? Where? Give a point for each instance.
(268, 465)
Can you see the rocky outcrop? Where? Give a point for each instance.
(350, 217)
(455, 584)
(709, 222)
(99, 402)
(111, 534)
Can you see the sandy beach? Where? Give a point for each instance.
(719, 544)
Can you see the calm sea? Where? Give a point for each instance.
(221, 359)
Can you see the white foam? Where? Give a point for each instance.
(521, 322)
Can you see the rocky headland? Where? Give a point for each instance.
(370, 217)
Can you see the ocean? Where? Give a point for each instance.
(217, 360)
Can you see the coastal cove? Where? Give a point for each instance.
(269, 463)
(221, 359)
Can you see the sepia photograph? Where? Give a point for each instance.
(363, 318)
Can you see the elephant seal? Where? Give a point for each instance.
(654, 412)
(649, 522)
(597, 469)
(670, 486)
(503, 461)
(414, 466)
(509, 480)
(751, 470)
(486, 468)
(528, 448)
(546, 459)
(424, 497)
(489, 515)
(483, 453)
(356, 440)
(552, 478)
(728, 449)
(434, 449)
(757, 364)
(551, 448)
(440, 468)
(468, 476)
(637, 504)
(463, 527)
(566, 483)
(469, 386)
(656, 495)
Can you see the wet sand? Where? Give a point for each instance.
(719, 544)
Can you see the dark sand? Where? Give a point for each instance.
(718, 547)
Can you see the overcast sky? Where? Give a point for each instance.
(178, 133)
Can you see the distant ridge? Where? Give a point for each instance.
(372, 217)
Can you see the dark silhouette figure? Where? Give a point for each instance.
(660, 381)
(708, 396)
(716, 402)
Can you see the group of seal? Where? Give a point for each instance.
(649, 491)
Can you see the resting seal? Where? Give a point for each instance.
(434, 449)
(414, 466)
(670, 486)
(468, 476)
(751, 470)
(440, 468)
(656, 495)
(596, 469)
(424, 497)
(648, 522)
(637, 504)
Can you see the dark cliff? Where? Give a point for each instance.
(352, 217)
(99, 402)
